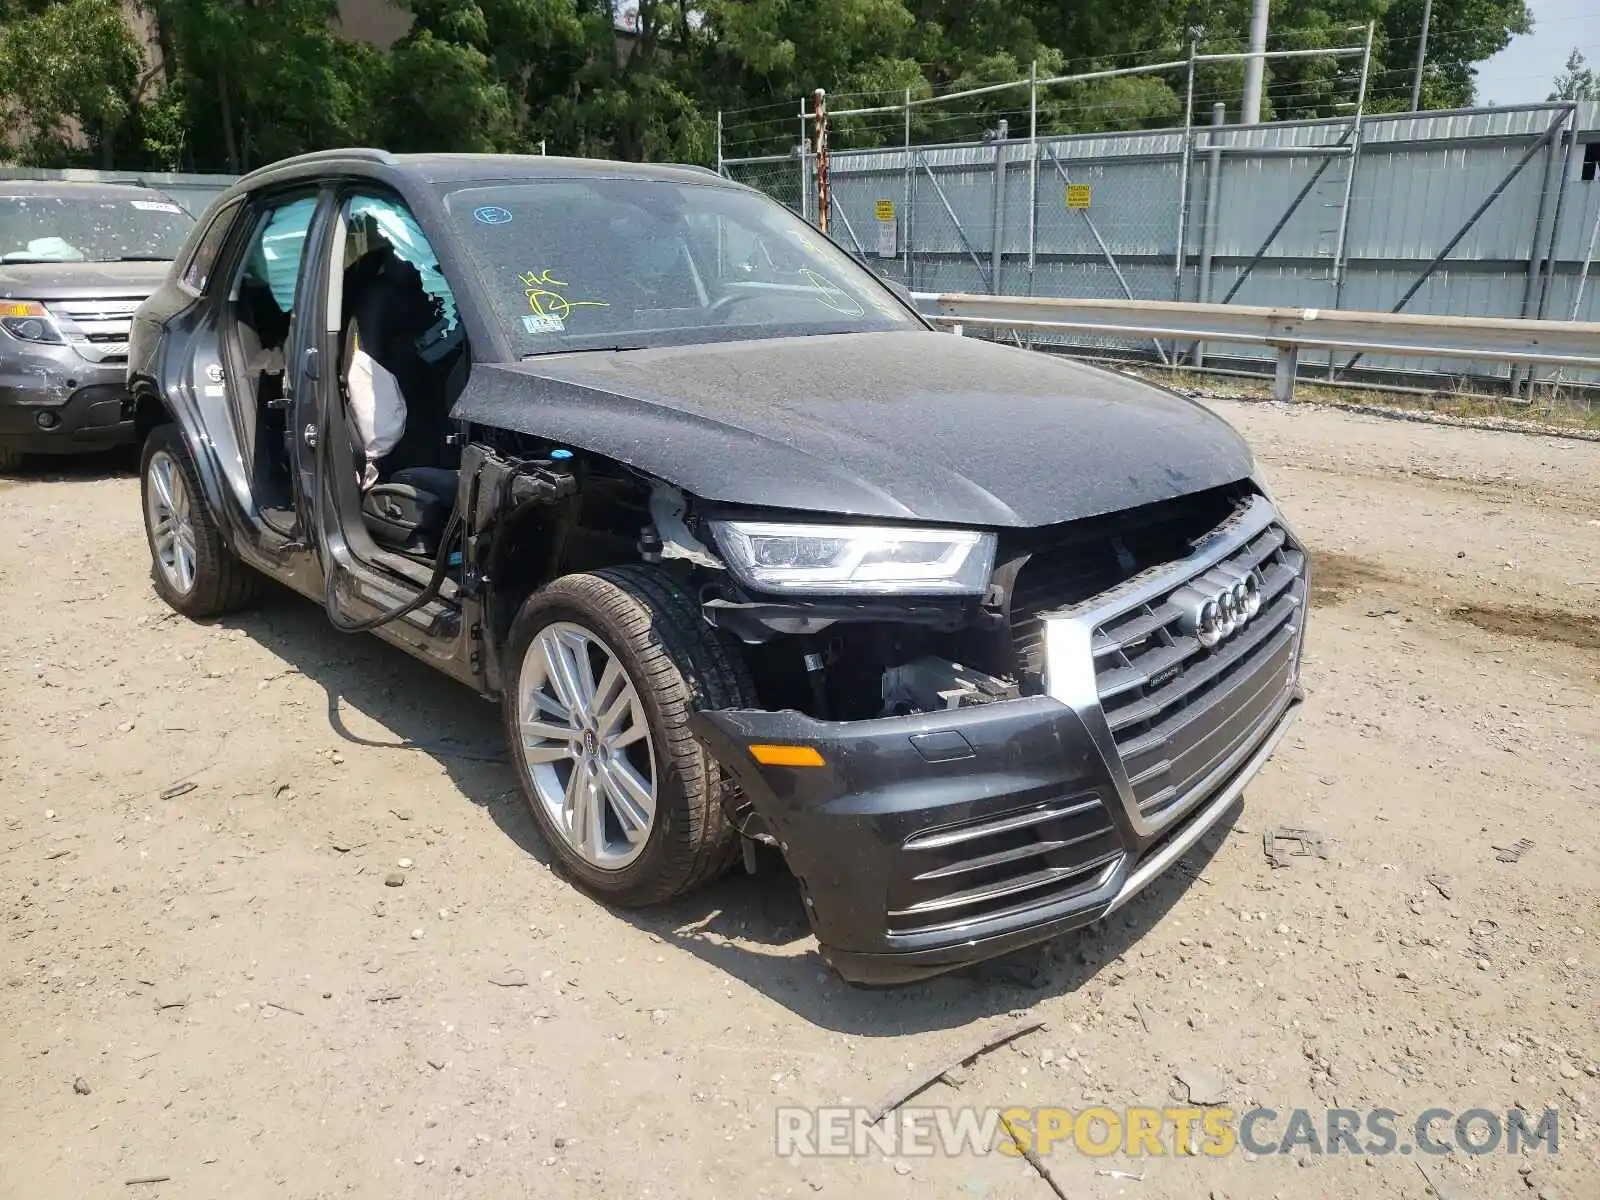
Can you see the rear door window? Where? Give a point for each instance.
(279, 247)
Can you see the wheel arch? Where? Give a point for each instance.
(598, 526)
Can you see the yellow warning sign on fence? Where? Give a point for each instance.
(885, 210)
(1078, 195)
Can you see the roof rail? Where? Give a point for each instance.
(340, 154)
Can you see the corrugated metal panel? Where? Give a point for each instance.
(1418, 180)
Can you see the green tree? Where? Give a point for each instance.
(1578, 81)
(1461, 33)
(71, 75)
(262, 79)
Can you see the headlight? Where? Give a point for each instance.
(857, 559)
(29, 321)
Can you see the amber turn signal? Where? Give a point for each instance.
(786, 756)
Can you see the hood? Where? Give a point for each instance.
(908, 426)
(81, 280)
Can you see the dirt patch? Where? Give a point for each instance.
(1335, 577)
(198, 823)
(1543, 624)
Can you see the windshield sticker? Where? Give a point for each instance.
(543, 323)
(491, 214)
(831, 295)
(155, 206)
(544, 301)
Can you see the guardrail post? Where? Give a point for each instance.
(1283, 378)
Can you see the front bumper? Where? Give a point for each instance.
(933, 841)
(52, 401)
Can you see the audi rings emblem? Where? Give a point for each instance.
(1215, 609)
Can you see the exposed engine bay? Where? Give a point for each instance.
(855, 658)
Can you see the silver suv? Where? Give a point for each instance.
(76, 260)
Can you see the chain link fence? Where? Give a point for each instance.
(1488, 212)
(787, 178)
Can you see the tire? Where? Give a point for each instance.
(10, 457)
(215, 581)
(639, 617)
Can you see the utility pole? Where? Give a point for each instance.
(1422, 56)
(1250, 109)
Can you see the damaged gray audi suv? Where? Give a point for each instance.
(981, 640)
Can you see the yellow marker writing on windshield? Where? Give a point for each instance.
(544, 302)
(832, 295)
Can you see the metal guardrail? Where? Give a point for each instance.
(1289, 330)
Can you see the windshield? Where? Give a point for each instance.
(579, 264)
(74, 229)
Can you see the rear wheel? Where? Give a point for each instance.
(608, 666)
(192, 567)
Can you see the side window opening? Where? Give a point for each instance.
(260, 310)
(403, 360)
(197, 271)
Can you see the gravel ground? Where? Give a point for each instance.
(207, 975)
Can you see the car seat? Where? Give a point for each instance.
(406, 510)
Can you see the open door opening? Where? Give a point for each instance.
(257, 329)
(388, 488)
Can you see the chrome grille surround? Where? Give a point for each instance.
(1168, 715)
(103, 324)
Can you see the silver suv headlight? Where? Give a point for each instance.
(30, 321)
(856, 559)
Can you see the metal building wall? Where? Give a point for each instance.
(1412, 186)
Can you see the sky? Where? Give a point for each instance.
(1524, 70)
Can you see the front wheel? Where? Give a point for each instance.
(192, 567)
(10, 457)
(608, 666)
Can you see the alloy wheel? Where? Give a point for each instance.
(168, 507)
(586, 744)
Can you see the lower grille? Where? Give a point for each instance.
(1002, 864)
